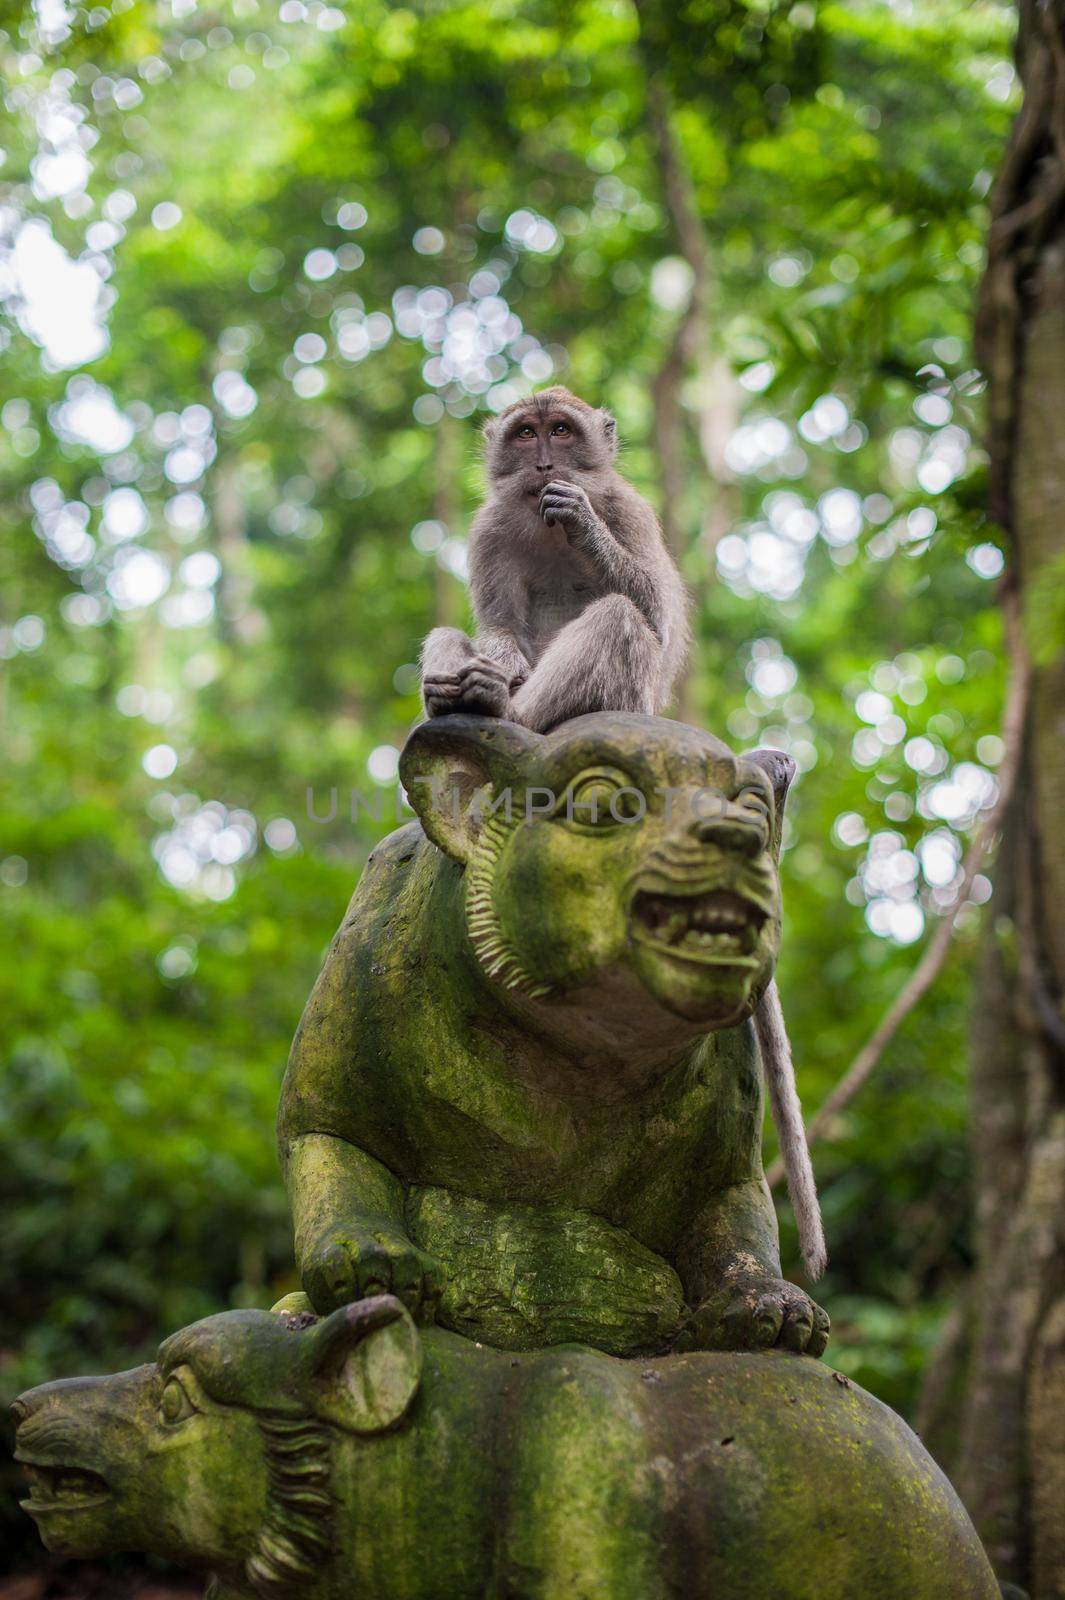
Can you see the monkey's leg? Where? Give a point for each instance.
(351, 1237)
(607, 659)
(456, 676)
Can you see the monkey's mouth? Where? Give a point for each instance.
(718, 927)
(60, 1488)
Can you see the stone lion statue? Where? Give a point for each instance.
(525, 1095)
(304, 1459)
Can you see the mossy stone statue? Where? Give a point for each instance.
(315, 1460)
(524, 1099)
(525, 1094)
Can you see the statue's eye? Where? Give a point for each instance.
(603, 800)
(755, 800)
(175, 1405)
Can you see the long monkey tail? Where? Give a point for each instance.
(787, 1115)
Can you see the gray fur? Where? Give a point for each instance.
(787, 1115)
(579, 606)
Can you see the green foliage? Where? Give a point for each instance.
(262, 196)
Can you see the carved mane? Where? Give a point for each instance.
(494, 950)
(296, 1537)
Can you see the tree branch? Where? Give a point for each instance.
(691, 348)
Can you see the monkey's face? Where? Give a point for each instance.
(615, 844)
(551, 436)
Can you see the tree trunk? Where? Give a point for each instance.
(1011, 1459)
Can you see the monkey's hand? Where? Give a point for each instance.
(479, 686)
(370, 1256)
(569, 506)
(756, 1313)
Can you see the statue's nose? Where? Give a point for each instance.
(730, 832)
(63, 1390)
(29, 1402)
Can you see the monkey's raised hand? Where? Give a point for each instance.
(478, 686)
(569, 506)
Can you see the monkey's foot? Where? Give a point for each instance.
(755, 1313)
(479, 687)
(350, 1262)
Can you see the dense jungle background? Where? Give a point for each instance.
(263, 271)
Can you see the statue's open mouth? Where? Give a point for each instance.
(59, 1488)
(718, 926)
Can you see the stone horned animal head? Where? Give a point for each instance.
(616, 843)
(220, 1450)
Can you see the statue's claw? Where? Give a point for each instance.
(756, 1314)
(350, 1263)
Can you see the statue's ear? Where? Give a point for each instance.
(780, 769)
(447, 761)
(364, 1366)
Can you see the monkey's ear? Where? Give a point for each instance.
(489, 429)
(610, 430)
(780, 769)
(448, 763)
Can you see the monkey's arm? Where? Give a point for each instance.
(498, 618)
(348, 1218)
(500, 646)
(729, 1264)
(569, 505)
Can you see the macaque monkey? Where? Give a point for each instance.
(579, 606)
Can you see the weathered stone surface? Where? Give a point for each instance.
(525, 1093)
(558, 1273)
(355, 1456)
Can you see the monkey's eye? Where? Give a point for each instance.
(174, 1404)
(602, 799)
(526, 432)
(561, 431)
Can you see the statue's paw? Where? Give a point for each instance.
(479, 687)
(759, 1314)
(351, 1263)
